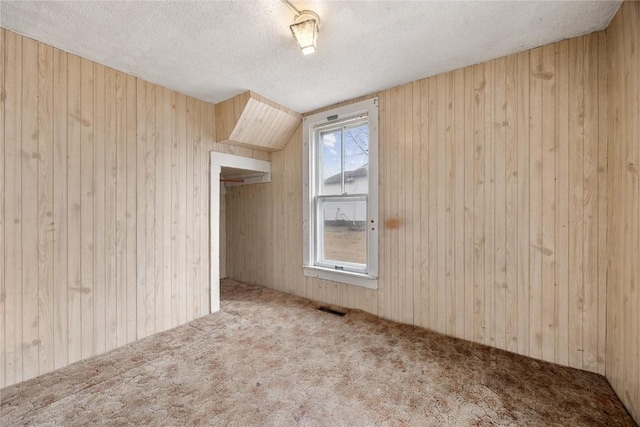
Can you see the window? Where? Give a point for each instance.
(341, 194)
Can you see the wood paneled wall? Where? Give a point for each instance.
(493, 185)
(623, 294)
(104, 210)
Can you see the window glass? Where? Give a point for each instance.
(343, 154)
(330, 161)
(356, 158)
(344, 231)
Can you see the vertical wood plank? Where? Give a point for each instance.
(603, 196)
(511, 203)
(392, 287)
(401, 144)
(448, 153)
(562, 205)
(13, 207)
(99, 226)
(489, 194)
(406, 308)
(60, 211)
(548, 326)
(210, 138)
(416, 197)
(423, 301)
(385, 214)
(278, 228)
(479, 239)
(30, 340)
(87, 210)
(3, 287)
(523, 201)
(499, 283)
(181, 202)
(111, 210)
(121, 310)
(208, 132)
(198, 232)
(576, 240)
(433, 202)
(131, 207)
(166, 206)
(469, 197)
(459, 212)
(73, 214)
(391, 232)
(175, 211)
(188, 211)
(159, 267)
(141, 207)
(633, 245)
(441, 203)
(45, 209)
(590, 206)
(148, 118)
(535, 202)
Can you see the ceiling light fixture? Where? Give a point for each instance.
(304, 28)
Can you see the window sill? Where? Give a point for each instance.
(346, 277)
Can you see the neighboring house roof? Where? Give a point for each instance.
(348, 175)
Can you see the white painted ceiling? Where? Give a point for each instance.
(214, 50)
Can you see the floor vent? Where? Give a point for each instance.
(333, 311)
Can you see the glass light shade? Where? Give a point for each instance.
(308, 50)
(306, 34)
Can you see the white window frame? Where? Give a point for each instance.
(368, 278)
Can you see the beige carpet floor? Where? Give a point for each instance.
(270, 359)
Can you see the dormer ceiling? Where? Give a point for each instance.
(252, 120)
(215, 50)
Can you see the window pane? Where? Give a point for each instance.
(330, 162)
(356, 159)
(344, 232)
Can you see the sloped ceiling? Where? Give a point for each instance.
(214, 50)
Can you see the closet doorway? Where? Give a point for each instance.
(228, 170)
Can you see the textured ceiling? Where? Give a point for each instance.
(214, 50)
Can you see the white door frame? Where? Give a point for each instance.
(218, 161)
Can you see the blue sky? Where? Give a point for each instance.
(356, 145)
